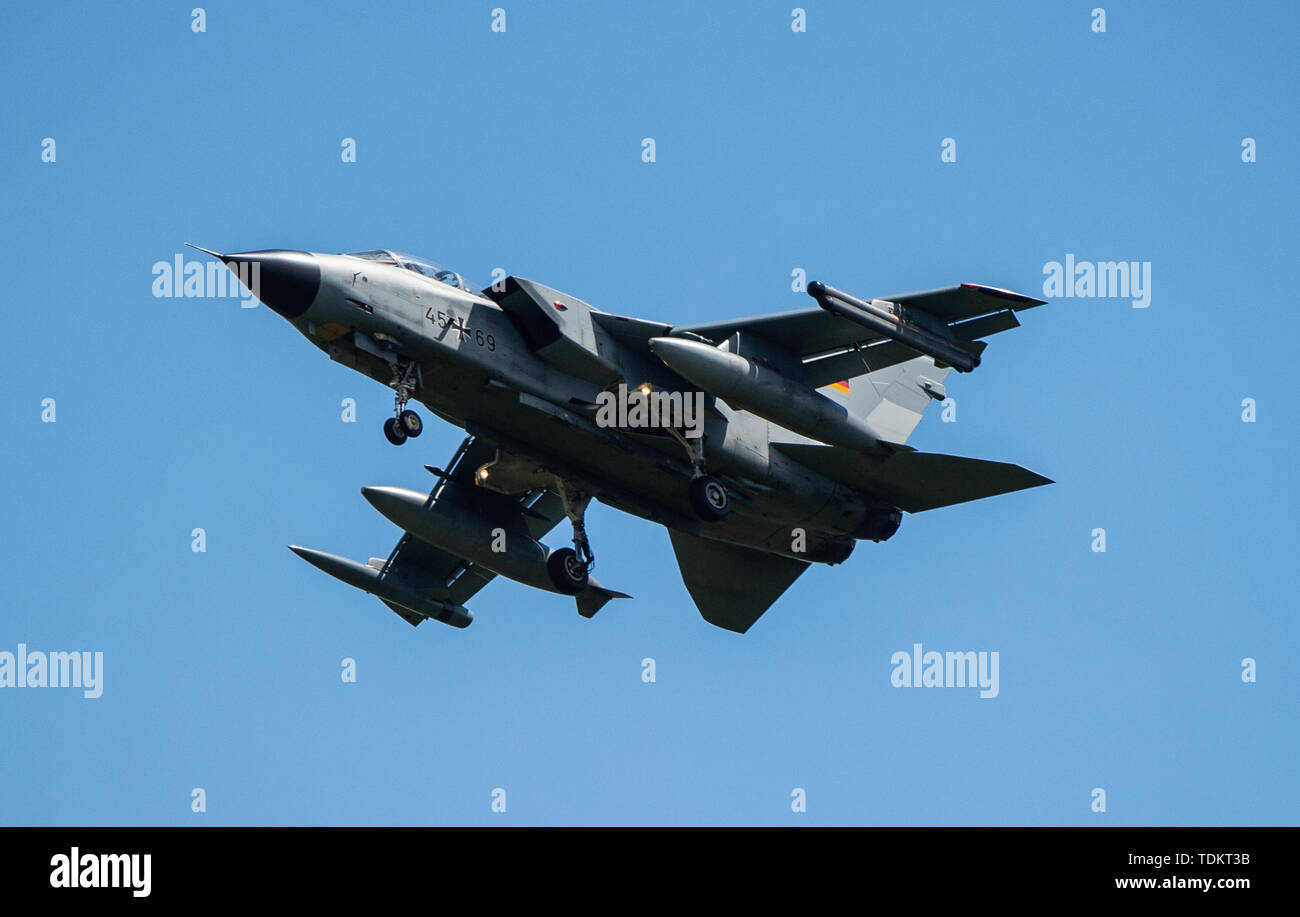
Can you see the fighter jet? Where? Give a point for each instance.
(762, 444)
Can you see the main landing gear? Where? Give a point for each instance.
(709, 498)
(708, 495)
(569, 568)
(404, 424)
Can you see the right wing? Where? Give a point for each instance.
(443, 576)
(433, 573)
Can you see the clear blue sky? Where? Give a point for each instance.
(775, 151)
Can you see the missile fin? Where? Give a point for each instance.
(594, 598)
(405, 613)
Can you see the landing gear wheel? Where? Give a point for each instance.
(394, 431)
(404, 424)
(567, 571)
(709, 498)
(410, 423)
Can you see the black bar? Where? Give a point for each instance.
(331, 865)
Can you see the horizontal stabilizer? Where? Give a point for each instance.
(915, 481)
(732, 585)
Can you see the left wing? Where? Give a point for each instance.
(835, 348)
(915, 481)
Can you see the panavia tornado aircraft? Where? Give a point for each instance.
(763, 444)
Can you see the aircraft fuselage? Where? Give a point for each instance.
(478, 372)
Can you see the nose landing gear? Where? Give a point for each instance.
(404, 424)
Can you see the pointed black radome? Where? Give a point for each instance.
(287, 281)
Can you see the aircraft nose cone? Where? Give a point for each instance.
(287, 281)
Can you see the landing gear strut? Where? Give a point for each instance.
(404, 424)
(708, 495)
(569, 567)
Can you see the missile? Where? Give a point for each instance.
(745, 384)
(390, 589)
(895, 323)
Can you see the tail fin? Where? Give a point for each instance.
(732, 585)
(891, 399)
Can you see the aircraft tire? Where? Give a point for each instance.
(709, 498)
(394, 431)
(567, 572)
(411, 424)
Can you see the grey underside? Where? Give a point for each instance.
(731, 582)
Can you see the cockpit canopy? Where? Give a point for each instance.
(420, 266)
